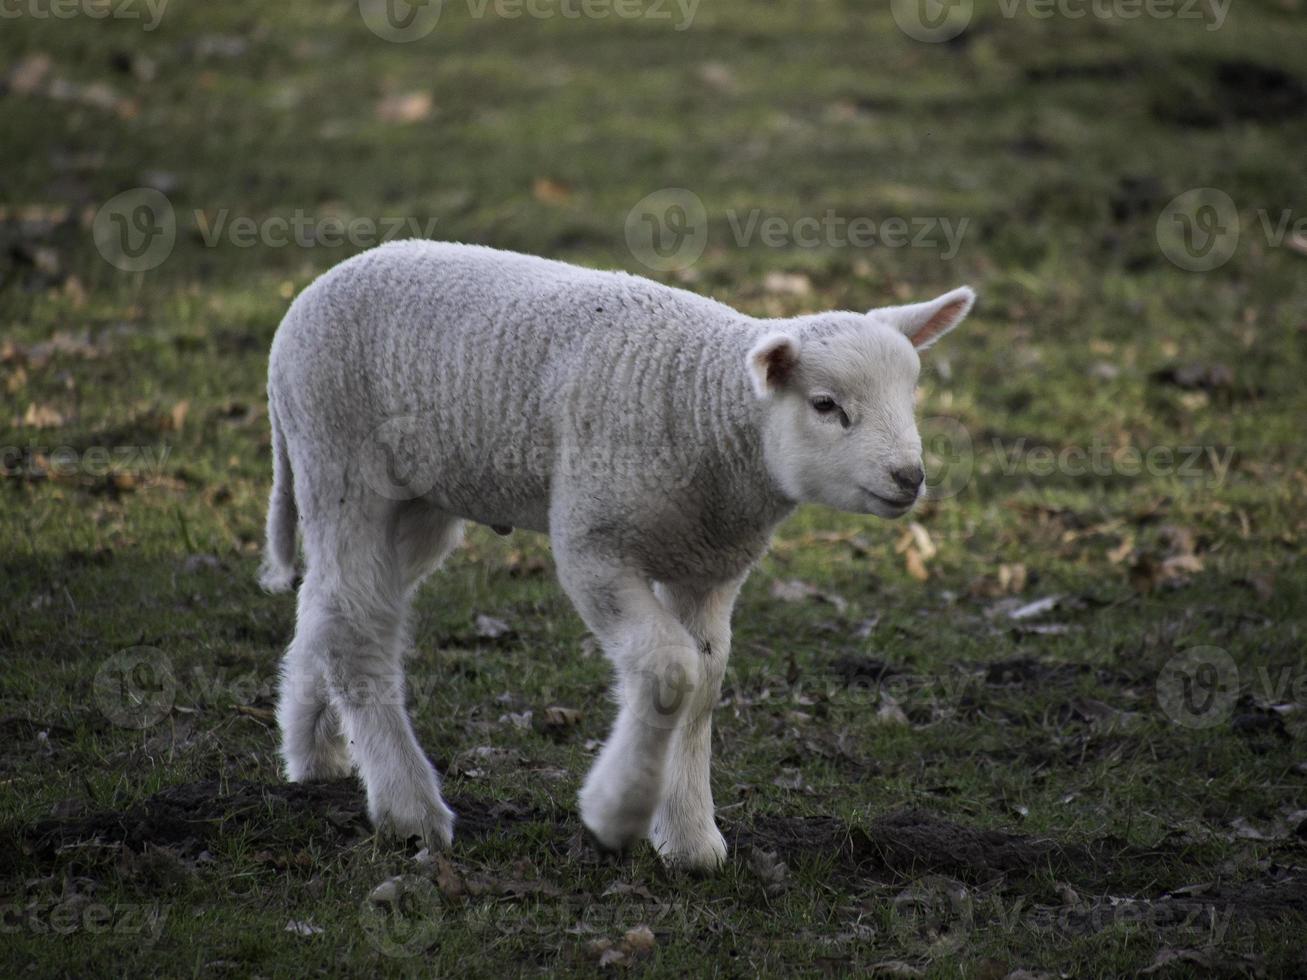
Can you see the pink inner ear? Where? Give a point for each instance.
(779, 363)
(945, 317)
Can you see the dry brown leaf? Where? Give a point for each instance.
(557, 718)
(639, 939)
(1122, 551)
(889, 713)
(42, 417)
(717, 75)
(177, 417)
(448, 880)
(261, 714)
(547, 190)
(787, 284)
(26, 76)
(405, 107)
(916, 565)
(793, 590)
(1012, 577)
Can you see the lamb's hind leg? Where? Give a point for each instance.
(684, 832)
(353, 606)
(312, 743)
(657, 674)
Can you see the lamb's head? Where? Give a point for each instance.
(838, 395)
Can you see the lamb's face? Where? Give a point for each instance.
(840, 390)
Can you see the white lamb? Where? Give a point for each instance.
(656, 436)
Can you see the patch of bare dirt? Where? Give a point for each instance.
(909, 844)
(189, 816)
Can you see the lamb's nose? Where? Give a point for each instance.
(909, 478)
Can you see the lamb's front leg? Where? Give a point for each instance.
(659, 676)
(684, 831)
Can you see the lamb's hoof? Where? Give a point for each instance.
(329, 759)
(701, 853)
(430, 822)
(322, 770)
(615, 823)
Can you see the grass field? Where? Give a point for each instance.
(1055, 724)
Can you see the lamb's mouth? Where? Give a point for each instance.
(896, 503)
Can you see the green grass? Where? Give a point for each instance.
(1059, 141)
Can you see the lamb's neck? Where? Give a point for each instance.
(731, 424)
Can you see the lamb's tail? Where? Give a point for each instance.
(277, 574)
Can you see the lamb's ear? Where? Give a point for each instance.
(771, 363)
(925, 323)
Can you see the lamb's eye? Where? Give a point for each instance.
(825, 405)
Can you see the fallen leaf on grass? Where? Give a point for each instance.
(556, 719)
(177, 416)
(405, 107)
(1211, 961)
(915, 564)
(787, 284)
(520, 565)
(637, 941)
(771, 870)
(26, 76)
(1150, 571)
(42, 417)
(518, 719)
(917, 548)
(1012, 608)
(547, 190)
(895, 968)
(793, 590)
(490, 628)
(792, 779)
(1122, 551)
(1009, 579)
(474, 763)
(623, 889)
(889, 712)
